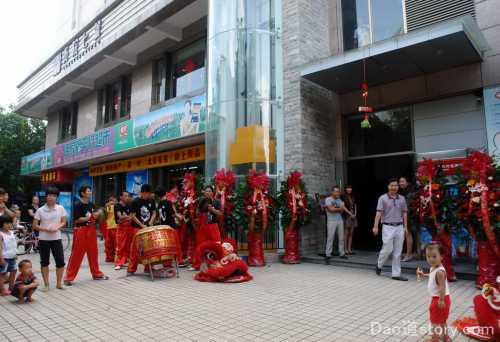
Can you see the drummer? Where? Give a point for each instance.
(84, 238)
(125, 232)
(166, 211)
(143, 215)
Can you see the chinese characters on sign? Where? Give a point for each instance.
(57, 176)
(79, 47)
(97, 144)
(185, 155)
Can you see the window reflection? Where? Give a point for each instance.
(358, 30)
(390, 132)
(387, 19)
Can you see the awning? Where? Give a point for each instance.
(434, 48)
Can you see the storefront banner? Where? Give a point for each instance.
(180, 119)
(135, 180)
(57, 176)
(492, 113)
(180, 156)
(95, 145)
(36, 162)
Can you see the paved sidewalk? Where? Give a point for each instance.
(306, 302)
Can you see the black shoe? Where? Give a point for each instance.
(378, 271)
(344, 257)
(68, 283)
(400, 278)
(327, 260)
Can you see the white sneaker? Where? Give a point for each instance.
(117, 268)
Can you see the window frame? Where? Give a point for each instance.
(105, 103)
(371, 23)
(70, 112)
(169, 58)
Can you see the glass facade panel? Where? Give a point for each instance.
(243, 86)
(367, 21)
(391, 132)
(387, 19)
(355, 23)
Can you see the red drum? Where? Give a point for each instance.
(157, 244)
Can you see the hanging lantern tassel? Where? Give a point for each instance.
(366, 122)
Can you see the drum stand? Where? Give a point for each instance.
(151, 269)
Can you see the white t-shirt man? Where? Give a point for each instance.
(50, 217)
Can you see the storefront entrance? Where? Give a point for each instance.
(375, 155)
(369, 179)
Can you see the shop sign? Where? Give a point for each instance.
(180, 119)
(36, 162)
(181, 156)
(492, 113)
(449, 166)
(59, 176)
(94, 145)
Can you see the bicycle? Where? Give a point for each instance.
(28, 238)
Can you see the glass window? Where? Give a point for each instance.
(390, 132)
(355, 23)
(387, 18)
(114, 101)
(178, 74)
(187, 69)
(368, 21)
(68, 117)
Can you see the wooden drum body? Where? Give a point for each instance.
(157, 244)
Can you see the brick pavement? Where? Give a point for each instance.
(306, 302)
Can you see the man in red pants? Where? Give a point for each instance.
(111, 227)
(125, 232)
(84, 238)
(143, 215)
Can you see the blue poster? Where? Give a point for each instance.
(64, 199)
(135, 180)
(81, 180)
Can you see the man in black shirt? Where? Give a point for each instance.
(143, 214)
(166, 213)
(84, 238)
(125, 233)
(143, 211)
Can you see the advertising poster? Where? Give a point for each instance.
(492, 113)
(135, 180)
(64, 199)
(36, 162)
(81, 180)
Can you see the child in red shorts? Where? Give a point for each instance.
(439, 291)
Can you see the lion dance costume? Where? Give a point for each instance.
(219, 263)
(485, 327)
(294, 214)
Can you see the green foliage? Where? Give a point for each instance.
(19, 136)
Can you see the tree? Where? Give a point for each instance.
(19, 137)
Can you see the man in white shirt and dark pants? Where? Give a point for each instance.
(49, 220)
(393, 213)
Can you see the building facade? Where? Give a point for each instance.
(147, 90)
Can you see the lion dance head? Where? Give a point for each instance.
(220, 263)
